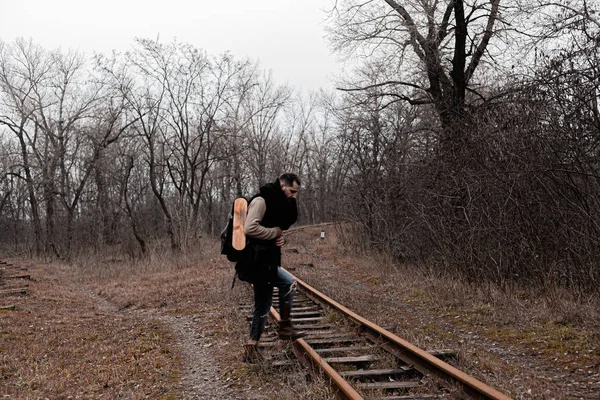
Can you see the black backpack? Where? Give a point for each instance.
(227, 240)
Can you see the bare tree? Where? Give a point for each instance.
(18, 106)
(428, 52)
(263, 107)
(182, 120)
(236, 122)
(140, 82)
(317, 155)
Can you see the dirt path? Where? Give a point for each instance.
(200, 373)
(178, 333)
(201, 378)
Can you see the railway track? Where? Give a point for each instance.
(362, 360)
(13, 284)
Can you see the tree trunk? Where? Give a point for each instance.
(35, 215)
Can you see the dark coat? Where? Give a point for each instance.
(264, 256)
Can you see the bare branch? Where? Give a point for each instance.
(484, 41)
(403, 83)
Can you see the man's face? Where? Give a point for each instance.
(291, 191)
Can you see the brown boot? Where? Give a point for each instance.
(286, 331)
(251, 354)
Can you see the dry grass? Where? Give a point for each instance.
(196, 285)
(58, 344)
(527, 344)
(94, 330)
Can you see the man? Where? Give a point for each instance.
(270, 212)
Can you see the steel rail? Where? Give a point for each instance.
(302, 348)
(299, 228)
(411, 354)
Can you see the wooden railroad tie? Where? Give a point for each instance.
(343, 349)
(402, 385)
(357, 360)
(306, 319)
(443, 354)
(284, 363)
(269, 344)
(332, 340)
(297, 310)
(380, 373)
(306, 312)
(13, 268)
(28, 277)
(12, 292)
(408, 397)
(314, 327)
(320, 334)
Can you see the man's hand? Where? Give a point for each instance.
(280, 241)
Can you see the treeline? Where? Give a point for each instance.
(147, 145)
(459, 144)
(475, 133)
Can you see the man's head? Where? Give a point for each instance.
(290, 184)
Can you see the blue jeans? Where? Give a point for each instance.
(263, 298)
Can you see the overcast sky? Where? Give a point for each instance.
(286, 36)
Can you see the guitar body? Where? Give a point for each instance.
(240, 211)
